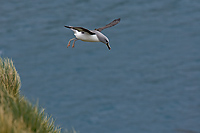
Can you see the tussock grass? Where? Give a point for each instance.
(17, 114)
(9, 78)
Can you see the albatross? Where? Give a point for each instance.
(95, 35)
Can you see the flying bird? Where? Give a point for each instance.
(86, 35)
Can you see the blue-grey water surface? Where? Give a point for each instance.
(148, 83)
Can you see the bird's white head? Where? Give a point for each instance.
(102, 38)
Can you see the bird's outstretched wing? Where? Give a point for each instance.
(114, 22)
(81, 29)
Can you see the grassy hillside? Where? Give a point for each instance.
(17, 114)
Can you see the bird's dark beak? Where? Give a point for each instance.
(108, 46)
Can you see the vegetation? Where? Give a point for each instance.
(17, 114)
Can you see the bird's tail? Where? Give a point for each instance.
(68, 26)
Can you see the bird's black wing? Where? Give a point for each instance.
(114, 22)
(81, 29)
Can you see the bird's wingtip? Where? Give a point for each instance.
(118, 19)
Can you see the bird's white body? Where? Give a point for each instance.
(85, 36)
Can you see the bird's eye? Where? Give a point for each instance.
(82, 32)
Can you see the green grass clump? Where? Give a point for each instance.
(9, 78)
(18, 115)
